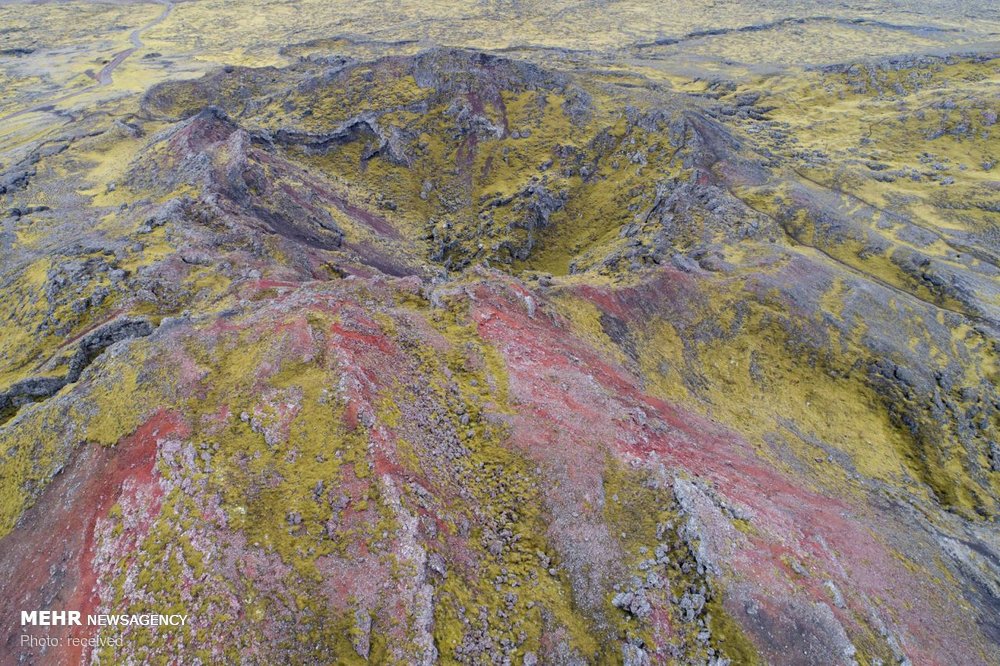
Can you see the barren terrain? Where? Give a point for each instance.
(502, 332)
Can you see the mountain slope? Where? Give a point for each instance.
(450, 358)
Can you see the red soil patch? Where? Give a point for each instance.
(47, 559)
(558, 379)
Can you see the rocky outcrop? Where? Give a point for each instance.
(88, 348)
(458, 360)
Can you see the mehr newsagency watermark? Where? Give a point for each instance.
(77, 619)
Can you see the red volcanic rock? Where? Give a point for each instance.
(449, 359)
(49, 559)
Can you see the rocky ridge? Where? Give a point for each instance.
(449, 358)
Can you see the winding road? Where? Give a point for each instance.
(104, 77)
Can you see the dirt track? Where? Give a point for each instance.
(104, 77)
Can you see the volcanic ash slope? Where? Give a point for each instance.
(447, 358)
